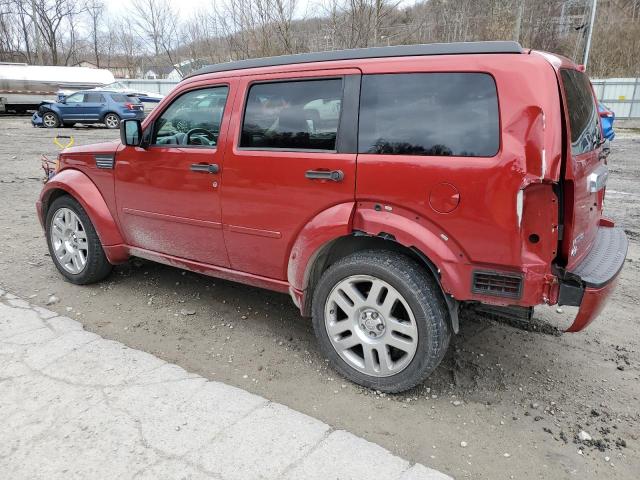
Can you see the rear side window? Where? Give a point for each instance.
(439, 114)
(583, 114)
(293, 115)
(93, 98)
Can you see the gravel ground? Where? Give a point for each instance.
(504, 404)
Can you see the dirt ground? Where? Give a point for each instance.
(517, 399)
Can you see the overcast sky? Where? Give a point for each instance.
(188, 7)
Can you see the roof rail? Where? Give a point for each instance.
(456, 48)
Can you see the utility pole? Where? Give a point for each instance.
(36, 32)
(590, 33)
(518, 26)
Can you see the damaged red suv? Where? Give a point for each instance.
(382, 188)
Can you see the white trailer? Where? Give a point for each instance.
(23, 87)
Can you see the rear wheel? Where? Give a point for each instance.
(380, 320)
(73, 243)
(111, 120)
(50, 120)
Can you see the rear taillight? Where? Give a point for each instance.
(130, 106)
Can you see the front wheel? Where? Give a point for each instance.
(73, 243)
(50, 120)
(111, 120)
(381, 320)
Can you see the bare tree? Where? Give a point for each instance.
(95, 11)
(158, 23)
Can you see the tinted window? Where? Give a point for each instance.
(439, 114)
(193, 118)
(583, 115)
(93, 98)
(301, 115)
(120, 98)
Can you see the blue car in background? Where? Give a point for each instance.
(88, 107)
(606, 120)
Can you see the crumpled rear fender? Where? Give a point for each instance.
(80, 187)
(450, 261)
(417, 233)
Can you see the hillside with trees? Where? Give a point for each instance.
(155, 32)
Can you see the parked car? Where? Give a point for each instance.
(380, 222)
(141, 95)
(607, 117)
(88, 107)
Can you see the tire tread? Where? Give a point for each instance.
(98, 267)
(412, 278)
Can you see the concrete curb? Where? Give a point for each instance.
(74, 405)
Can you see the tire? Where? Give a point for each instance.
(411, 295)
(50, 120)
(112, 121)
(96, 266)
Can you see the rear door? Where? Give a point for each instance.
(585, 172)
(291, 155)
(92, 106)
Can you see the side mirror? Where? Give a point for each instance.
(131, 132)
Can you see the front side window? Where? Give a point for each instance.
(194, 119)
(302, 114)
(437, 114)
(583, 114)
(75, 98)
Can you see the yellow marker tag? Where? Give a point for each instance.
(622, 97)
(57, 141)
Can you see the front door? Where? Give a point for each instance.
(290, 156)
(167, 194)
(71, 109)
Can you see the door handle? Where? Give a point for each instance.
(205, 167)
(333, 175)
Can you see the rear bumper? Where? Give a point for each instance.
(139, 114)
(592, 282)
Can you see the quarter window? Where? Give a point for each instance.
(583, 115)
(302, 114)
(437, 114)
(194, 119)
(121, 98)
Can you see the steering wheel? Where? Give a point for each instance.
(201, 131)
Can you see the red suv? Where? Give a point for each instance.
(382, 188)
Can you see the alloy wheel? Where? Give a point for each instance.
(371, 326)
(69, 241)
(111, 121)
(49, 120)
